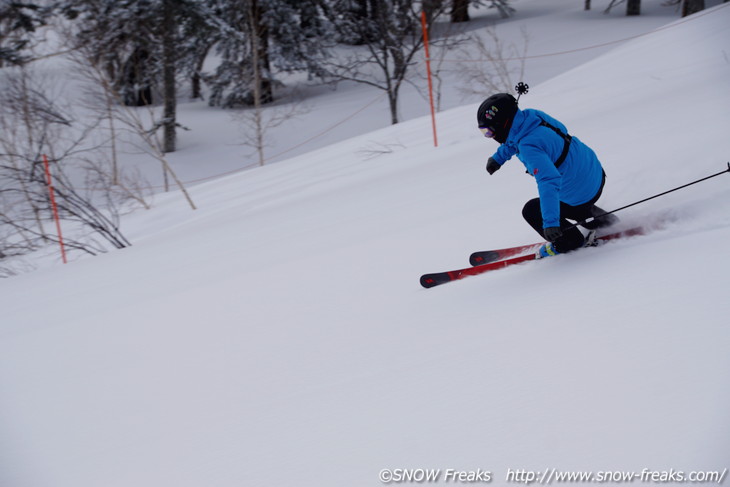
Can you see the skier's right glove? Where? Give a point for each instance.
(552, 233)
(492, 166)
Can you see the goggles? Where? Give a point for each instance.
(487, 131)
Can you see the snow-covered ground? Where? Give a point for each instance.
(279, 336)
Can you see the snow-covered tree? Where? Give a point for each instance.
(257, 38)
(120, 35)
(18, 21)
(138, 43)
(198, 33)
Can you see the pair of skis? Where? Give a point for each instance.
(489, 260)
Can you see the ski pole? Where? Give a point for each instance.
(652, 197)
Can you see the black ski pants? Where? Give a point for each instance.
(572, 238)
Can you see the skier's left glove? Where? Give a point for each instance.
(492, 166)
(552, 233)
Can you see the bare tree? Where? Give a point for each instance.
(446, 41)
(489, 65)
(102, 92)
(100, 98)
(142, 122)
(258, 56)
(391, 36)
(258, 121)
(34, 124)
(19, 133)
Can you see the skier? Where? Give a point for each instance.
(569, 176)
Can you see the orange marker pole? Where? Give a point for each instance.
(428, 71)
(54, 207)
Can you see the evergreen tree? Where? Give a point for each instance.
(121, 34)
(198, 33)
(18, 21)
(138, 44)
(256, 37)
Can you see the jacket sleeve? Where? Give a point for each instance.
(548, 180)
(504, 153)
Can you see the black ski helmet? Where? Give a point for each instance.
(497, 113)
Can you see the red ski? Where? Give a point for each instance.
(487, 256)
(438, 278)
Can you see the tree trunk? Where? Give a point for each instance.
(633, 7)
(393, 85)
(460, 11)
(257, 84)
(261, 55)
(135, 84)
(196, 86)
(587, 5)
(393, 101)
(169, 94)
(690, 7)
(196, 80)
(430, 7)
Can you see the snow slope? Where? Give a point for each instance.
(279, 336)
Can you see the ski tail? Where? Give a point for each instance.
(438, 278)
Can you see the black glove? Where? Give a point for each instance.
(492, 166)
(552, 233)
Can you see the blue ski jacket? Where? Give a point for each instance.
(539, 147)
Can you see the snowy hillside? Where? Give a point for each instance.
(278, 336)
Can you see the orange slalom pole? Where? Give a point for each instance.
(55, 208)
(428, 72)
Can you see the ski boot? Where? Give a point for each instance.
(546, 250)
